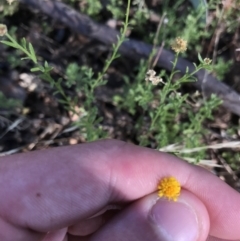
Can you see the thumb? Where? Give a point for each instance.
(159, 220)
(187, 219)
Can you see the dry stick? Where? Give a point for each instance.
(134, 49)
(155, 41)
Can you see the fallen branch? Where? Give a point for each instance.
(134, 49)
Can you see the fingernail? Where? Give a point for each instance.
(174, 221)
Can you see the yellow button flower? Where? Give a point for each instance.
(179, 45)
(170, 188)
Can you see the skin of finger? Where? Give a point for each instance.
(78, 238)
(86, 227)
(135, 223)
(91, 225)
(210, 238)
(65, 185)
(7, 229)
(59, 235)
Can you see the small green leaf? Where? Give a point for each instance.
(48, 69)
(46, 65)
(200, 58)
(25, 58)
(35, 69)
(9, 43)
(24, 43)
(31, 49)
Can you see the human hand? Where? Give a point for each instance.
(51, 195)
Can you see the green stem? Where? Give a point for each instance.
(165, 93)
(116, 47)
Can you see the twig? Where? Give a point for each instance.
(180, 149)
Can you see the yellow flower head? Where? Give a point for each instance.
(179, 45)
(170, 188)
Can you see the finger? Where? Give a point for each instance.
(65, 185)
(210, 238)
(9, 232)
(158, 220)
(59, 235)
(91, 225)
(78, 238)
(86, 227)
